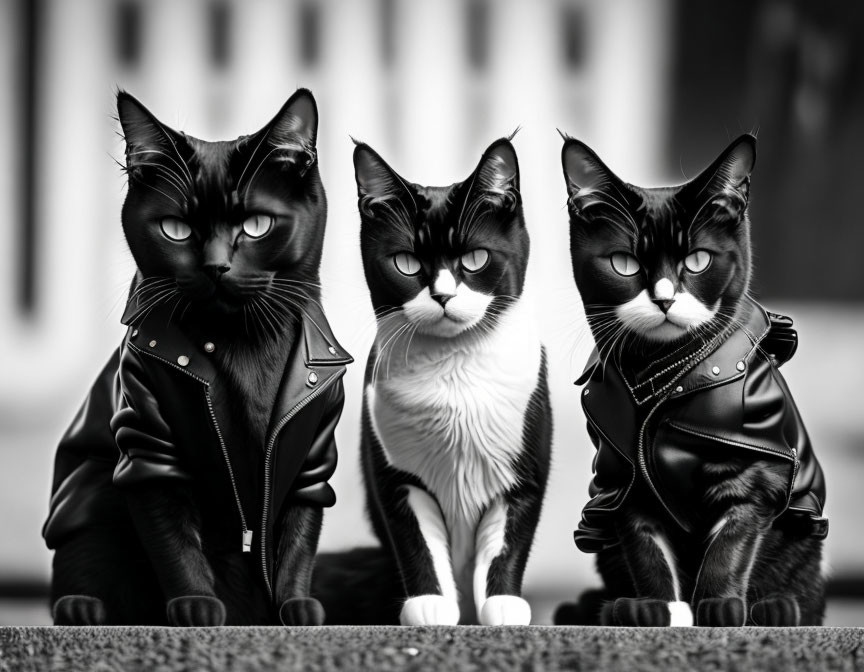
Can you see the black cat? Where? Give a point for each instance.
(222, 398)
(707, 498)
(456, 420)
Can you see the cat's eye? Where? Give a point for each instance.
(625, 264)
(475, 260)
(406, 264)
(175, 229)
(697, 261)
(257, 225)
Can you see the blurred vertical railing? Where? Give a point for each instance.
(429, 83)
(11, 178)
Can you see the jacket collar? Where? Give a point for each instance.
(154, 334)
(715, 365)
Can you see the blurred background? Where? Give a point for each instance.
(657, 87)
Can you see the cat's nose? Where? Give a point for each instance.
(664, 304)
(442, 298)
(217, 270)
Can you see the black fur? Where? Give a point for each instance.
(659, 228)
(245, 295)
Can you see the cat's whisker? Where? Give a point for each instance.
(294, 293)
(249, 161)
(169, 176)
(187, 178)
(269, 315)
(144, 293)
(290, 300)
(379, 355)
(170, 198)
(179, 300)
(245, 188)
(157, 297)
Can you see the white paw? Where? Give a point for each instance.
(429, 610)
(680, 615)
(505, 610)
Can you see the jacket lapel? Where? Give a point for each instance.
(729, 361)
(315, 357)
(153, 334)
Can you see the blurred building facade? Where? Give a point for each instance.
(656, 87)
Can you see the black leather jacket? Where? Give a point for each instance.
(730, 401)
(156, 401)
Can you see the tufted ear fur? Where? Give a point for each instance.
(291, 136)
(496, 177)
(584, 172)
(725, 184)
(148, 141)
(376, 181)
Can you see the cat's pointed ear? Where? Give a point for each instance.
(147, 139)
(376, 180)
(293, 133)
(496, 177)
(731, 170)
(297, 120)
(584, 172)
(726, 182)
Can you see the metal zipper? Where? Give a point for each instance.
(247, 533)
(640, 454)
(267, 475)
(736, 444)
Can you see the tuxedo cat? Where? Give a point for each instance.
(707, 499)
(222, 398)
(456, 419)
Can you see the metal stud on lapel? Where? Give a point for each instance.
(312, 379)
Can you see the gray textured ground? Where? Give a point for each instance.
(451, 649)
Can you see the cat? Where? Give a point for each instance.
(456, 427)
(222, 398)
(706, 503)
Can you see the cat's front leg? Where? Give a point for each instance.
(651, 560)
(502, 543)
(298, 540)
(167, 523)
(720, 596)
(420, 540)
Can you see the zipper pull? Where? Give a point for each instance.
(247, 541)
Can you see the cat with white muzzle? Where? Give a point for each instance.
(706, 503)
(456, 418)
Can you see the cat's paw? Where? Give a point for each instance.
(778, 611)
(301, 611)
(79, 610)
(585, 611)
(429, 610)
(196, 611)
(569, 613)
(721, 612)
(680, 614)
(639, 612)
(505, 610)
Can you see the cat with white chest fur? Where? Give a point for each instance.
(456, 419)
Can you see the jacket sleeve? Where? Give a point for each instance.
(81, 494)
(773, 421)
(311, 485)
(613, 478)
(147, 449)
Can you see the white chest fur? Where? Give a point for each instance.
(452, 413)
